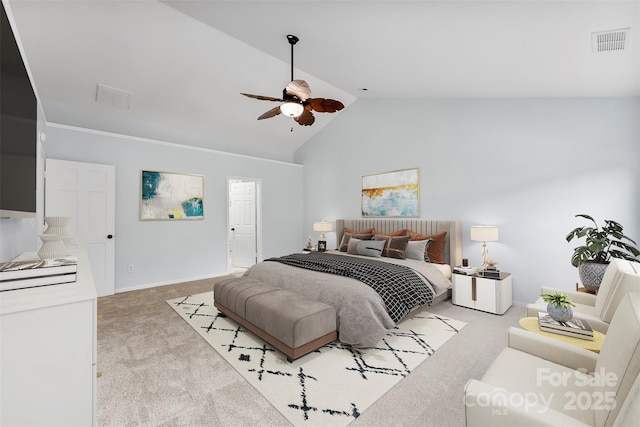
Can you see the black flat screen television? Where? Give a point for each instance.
(18, 130)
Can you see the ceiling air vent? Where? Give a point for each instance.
(113, 97)
(607, 41)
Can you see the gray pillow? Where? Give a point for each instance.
(352, 246)
(422, 256)
(344, 244)
(372, 248)
(416, 249)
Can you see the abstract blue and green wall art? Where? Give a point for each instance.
(171, 196)
(391, 194)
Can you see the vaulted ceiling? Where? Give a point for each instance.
(186, 62)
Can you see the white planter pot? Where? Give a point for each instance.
(591, 274)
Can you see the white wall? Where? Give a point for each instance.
(525, 165)
(165, 252)
(17, 236)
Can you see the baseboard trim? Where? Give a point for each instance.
(168, 282)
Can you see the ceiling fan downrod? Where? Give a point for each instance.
(292, 41)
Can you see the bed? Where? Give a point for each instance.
(362, 313)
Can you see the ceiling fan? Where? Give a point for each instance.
(296, 99)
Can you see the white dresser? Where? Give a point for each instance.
(48, 353)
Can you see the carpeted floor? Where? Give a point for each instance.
(156, 371)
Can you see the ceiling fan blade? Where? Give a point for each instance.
(271, 113)
(325, 105)
(262, 97)
(306, 118)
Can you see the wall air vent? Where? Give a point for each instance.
(112, 97)
(607, 41)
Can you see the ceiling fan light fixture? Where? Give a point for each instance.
(291, 109)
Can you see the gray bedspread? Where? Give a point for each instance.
(362, 315)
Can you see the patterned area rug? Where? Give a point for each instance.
(331, 386)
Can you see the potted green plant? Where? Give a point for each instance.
(559, 306)
(601, 244)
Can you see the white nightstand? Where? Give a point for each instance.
(480, 293)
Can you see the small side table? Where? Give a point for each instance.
(482, 293)
(585, 290)
(531, 324)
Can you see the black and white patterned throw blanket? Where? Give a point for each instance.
(401, 288)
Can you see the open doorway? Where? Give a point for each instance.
(244, 224)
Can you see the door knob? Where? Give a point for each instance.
(233, 229)
(109, 236)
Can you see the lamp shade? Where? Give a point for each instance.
(484, 233)
(291, 109)
(322, 226)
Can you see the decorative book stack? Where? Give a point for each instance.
(491, 273)
(469, 271)
(576, 328)
(30, 274)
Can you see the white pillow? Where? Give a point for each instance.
(371, 248)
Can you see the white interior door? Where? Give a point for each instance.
(86, 193)
(242, 223)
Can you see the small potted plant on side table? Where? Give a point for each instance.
(559, 306)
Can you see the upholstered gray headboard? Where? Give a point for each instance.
(452, 246)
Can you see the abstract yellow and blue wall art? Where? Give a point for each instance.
(391, 194)
(171, 196)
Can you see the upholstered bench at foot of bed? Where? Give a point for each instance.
(290, 322)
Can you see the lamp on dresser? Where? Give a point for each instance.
(322, 227)
(484, 234)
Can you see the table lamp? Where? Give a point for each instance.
(322, 227)
(484, 234)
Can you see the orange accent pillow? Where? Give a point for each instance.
(436, 249)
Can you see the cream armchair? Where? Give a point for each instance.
(620, 278)
(541, 381)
